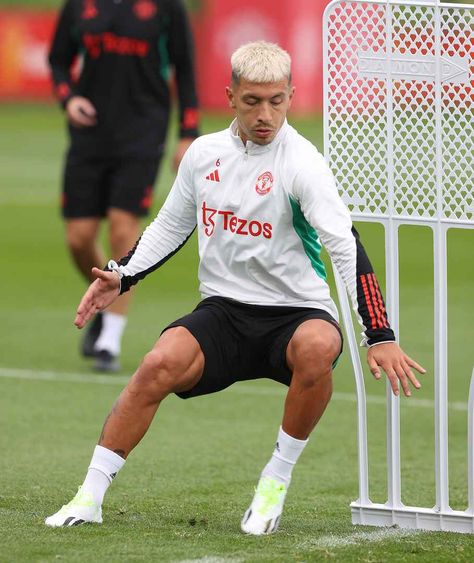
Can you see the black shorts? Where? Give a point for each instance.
(91, 186)
(241, 342)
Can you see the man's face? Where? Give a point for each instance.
(260, 108)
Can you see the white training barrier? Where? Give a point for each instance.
(399, 137)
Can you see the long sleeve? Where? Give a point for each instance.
(370, 301)
(164, 237)
(181, 52)
(316, 190)
(63, 51)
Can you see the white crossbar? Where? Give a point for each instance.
(399, 137)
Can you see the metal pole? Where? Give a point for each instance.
(441, 299)
(360, 392)
(391, 254)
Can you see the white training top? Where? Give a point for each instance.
(261, 212)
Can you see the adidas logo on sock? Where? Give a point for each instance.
(214, 176)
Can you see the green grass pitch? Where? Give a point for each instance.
(183, 491)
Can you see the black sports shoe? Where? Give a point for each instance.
(105, 361)
(91, 336)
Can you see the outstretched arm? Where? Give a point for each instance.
(168, 233)
(101, 293)
(164, 237)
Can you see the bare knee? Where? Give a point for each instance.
(313, 358)
(157, 372)
(318, 350)
(314, 371)
(162, 372)
(314, 379)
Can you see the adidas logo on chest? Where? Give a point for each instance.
(214, 175)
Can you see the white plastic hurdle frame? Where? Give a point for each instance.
(399, 137)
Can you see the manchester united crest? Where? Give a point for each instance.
(145, 9)
(264, 183)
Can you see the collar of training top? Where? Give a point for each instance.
(253, 148)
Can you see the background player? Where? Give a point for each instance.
(118, 111)
(261, 197)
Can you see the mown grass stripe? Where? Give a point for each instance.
(357, 538)
(242, 388)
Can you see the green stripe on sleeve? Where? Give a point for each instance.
(310, 239)
(164, 57)
(163, 49)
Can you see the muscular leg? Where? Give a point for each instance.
(124, 228)
(174, 364)
(310, 354)
(81, 239)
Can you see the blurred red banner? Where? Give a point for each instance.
(24, 42)
(219, 28)
(224, 25)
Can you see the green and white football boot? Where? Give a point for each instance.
(263, 515)
(80, 510)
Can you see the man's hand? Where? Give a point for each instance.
(181, 148)
(80, 112)
(396, 364)
(101, 293)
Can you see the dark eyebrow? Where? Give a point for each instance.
(250, 96)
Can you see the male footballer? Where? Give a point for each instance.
(263, 200)
(118, 110)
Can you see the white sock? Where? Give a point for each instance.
(285, 455)
(110, 337)
(104, 466)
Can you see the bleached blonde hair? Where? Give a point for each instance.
(260, 62)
